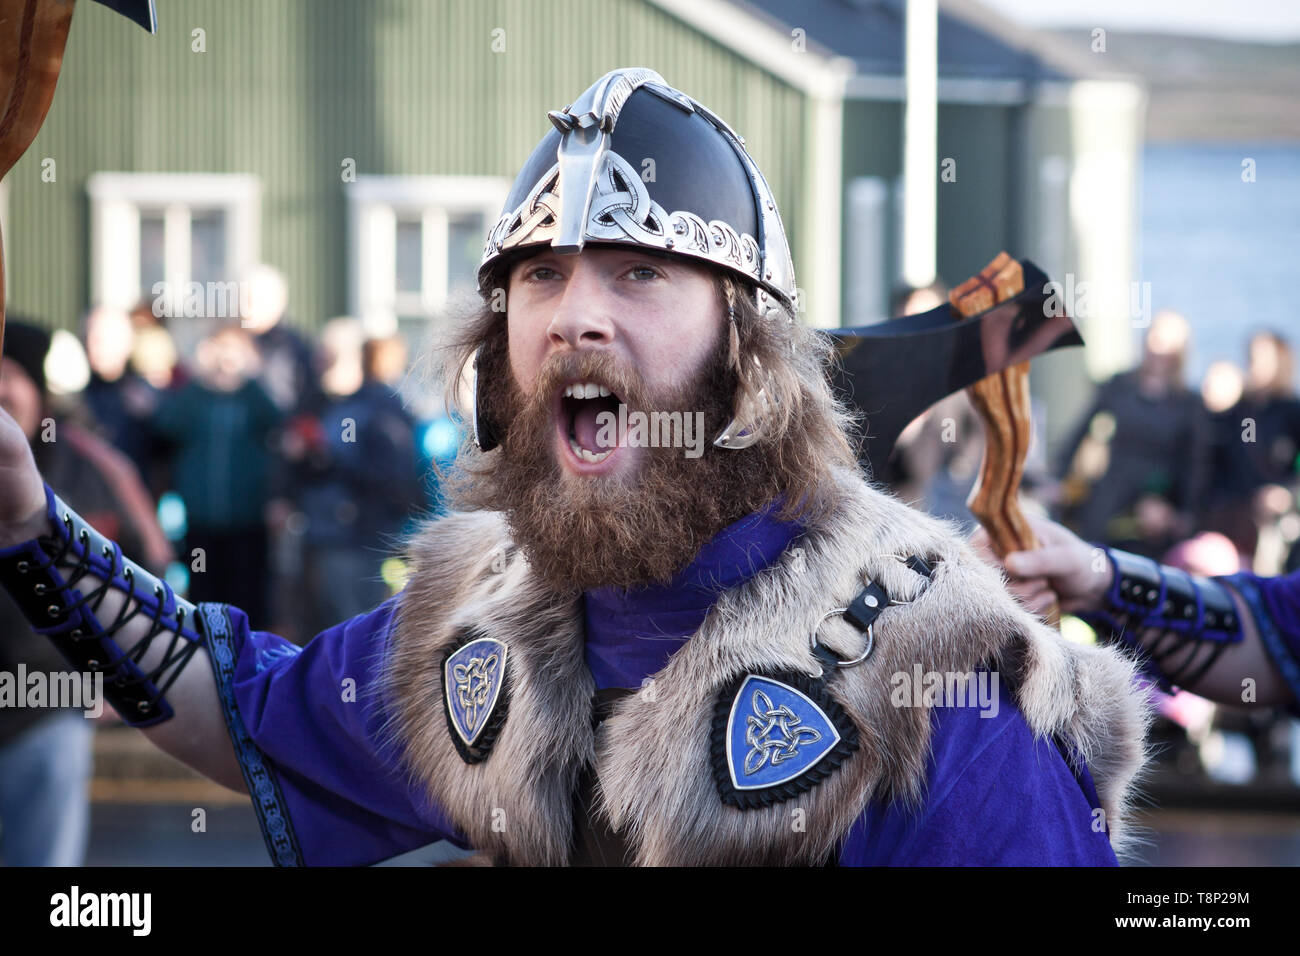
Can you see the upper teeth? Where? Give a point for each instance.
(586, 390)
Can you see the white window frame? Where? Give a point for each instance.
(118, 199)
(375, 204)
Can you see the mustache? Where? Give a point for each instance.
(591, 365)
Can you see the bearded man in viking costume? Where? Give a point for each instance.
(667, 622)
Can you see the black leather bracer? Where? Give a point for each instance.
(1177, 623)
(59, 581)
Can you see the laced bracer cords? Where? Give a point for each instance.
(60, 581)
(1177, 623)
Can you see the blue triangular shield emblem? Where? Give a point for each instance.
(472, 679)
(775, 736)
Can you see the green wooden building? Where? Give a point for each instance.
(364, 147)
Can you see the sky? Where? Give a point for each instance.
(1267, 20)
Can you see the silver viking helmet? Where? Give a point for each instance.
(706, 199)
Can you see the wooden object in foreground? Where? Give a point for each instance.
(1002, 401)
(33, 34)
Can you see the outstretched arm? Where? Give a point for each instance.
(1082, 577)
(97, 607)
(302, 730)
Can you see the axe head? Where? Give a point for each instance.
(140, 11)
(893, 371)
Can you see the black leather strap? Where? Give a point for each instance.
(863, 610)
(59, 581)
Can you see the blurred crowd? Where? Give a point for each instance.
(253, 466)
(1203, 478)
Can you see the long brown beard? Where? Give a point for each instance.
(616, 531)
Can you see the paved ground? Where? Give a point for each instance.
(142, 815)
(137, 834)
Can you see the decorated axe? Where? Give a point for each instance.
(982, 341)
(32, 36)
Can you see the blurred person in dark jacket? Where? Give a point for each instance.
(222, 424)
(364, 483)
(1256, 451)
(45, 752)
(1270, 401)
(286, 372)
(1233, 480)
(1137, 465)
(289, 374)
(117, 397)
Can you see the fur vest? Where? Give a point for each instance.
(655, 779)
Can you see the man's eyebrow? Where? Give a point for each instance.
(531, 256)
(542, 254)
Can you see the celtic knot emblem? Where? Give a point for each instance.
(774, 734)
(622, 211)
(474, 686)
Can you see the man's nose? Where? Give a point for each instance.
(582, 317)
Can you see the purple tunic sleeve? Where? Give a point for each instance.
(995, 796)
(1275, 606)
(308, 728)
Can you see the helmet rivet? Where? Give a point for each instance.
(668, 243)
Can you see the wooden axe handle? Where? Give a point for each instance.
(1002, 401)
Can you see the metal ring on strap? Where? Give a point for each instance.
(853, 662)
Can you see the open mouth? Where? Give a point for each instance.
(587, 413)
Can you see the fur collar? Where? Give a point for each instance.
(652, 756)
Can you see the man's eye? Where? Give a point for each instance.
(542, 273)
(642, 273)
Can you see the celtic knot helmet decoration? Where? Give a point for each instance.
(703, 197)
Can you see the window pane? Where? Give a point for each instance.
(410, 256)
(152, 244)
(465, 236)
(208, 246)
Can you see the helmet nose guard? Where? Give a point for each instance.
(635, 161)
(696, 194)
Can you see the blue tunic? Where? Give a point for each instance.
(330, 790)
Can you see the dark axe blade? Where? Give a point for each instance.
(141, 11)
(893, 371)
